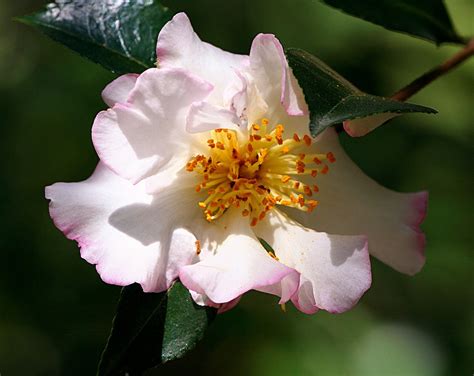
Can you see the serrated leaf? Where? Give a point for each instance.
(153, 328)
(332, 99)
(119, 35)
(427, 19)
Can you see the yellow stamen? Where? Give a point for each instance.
(258, 174)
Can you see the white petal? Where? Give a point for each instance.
(203, 300)
(204, 116)
(138, 138)
(351, 203)
(274, 77)
(235, 94)
(119, 89)
(335, 269)
(233, 262)
(243, 96)
(130, 236)
(179, 46)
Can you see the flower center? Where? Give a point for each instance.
(257, 174)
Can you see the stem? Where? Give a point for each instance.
(433, 74)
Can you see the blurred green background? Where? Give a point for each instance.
(55, 313)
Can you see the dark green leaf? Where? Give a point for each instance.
(332, 99)
(119, 35)
(150, 329)
(427, 19)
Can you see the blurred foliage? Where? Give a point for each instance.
(55, 311)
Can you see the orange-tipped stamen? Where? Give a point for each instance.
(256, 175)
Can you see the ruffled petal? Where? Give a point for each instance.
(351, 203)
(119, 89)
(179, 46)
(233, 262)
(243, 97)
(139, 137)
(122, 229)
(204, 116)
(335, 269)
(274, 77)
(203, 300)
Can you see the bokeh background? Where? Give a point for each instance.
(55, 313)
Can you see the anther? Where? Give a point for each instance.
(198, 247)
(253, 178)
(330, 157)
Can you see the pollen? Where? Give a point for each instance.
(257, 174)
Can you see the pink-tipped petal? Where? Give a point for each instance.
(228, 306)
(203, 300)
(360, 127)
(285, 289)
(179, 46)
(304, 300)
(233, 262)
(335, 269)
(138, 138)
(120, 228)
(243, 97)
(235, 94)
(351, 203)
(274, 77)
(119, 89)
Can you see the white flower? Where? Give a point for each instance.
(204, 157)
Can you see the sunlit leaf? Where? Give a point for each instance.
(119, 35)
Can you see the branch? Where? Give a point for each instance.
(433, 74)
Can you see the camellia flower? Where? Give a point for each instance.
(206, 173)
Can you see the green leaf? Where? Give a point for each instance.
(119, 35)
(332, 99)
(427, 19)
(150, 329)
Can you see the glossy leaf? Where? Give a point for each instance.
(332, 99)
(120, 35)
(427, 19)
(150, 329)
